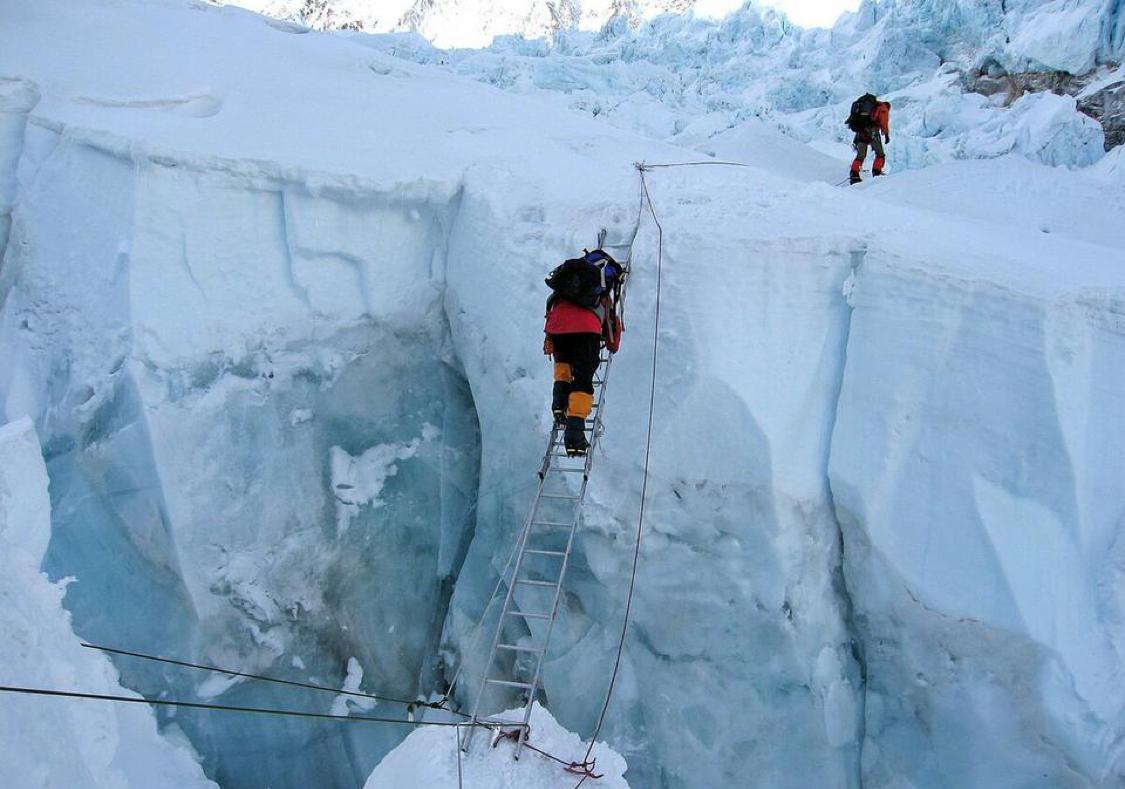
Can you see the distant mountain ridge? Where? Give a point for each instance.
(464, 23)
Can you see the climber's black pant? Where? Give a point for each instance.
(576, 361)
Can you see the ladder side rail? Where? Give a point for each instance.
(595, 432)
(521, 553)
(542, 656)
(551, 624)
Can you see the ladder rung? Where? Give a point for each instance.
(553, 523)
(559, 496)
(529, 615)
(509, 683)
(530, 582)
(518, 648)
(541, 552)
(568, 470)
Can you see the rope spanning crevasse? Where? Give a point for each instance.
(264, 678)
(198, 705)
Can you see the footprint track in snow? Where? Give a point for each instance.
(287, 27)
(200, 105)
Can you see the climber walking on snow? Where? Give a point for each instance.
(582, 318)
(870, 119)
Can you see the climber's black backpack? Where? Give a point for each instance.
(583, 281)
(860, 118)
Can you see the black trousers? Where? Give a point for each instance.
(576, 361)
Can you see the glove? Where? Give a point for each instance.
(548, 345)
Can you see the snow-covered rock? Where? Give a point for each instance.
(57, 742)
(428, 757)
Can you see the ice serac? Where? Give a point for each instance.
(17, 99)
(53, 741)
(952, 69)
(983, 528)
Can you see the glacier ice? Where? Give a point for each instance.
(753, 66)
(1043, 127)
(17, 98)
(286, 371)
(932, 506)
(57, 742)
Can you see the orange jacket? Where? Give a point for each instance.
(882, 118)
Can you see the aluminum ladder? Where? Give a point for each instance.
(515, 659)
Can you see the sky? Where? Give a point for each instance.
(808, 13)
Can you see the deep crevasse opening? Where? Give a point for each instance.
(262, 452)
(283, 383)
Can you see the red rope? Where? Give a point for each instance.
(585, 769)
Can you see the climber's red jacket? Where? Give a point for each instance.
(563, 317)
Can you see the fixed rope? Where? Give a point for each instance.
(646, 197)
(199, 705)
(264, 678)
(584, 768)
(643, 166)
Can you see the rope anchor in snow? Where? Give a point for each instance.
(584, 768)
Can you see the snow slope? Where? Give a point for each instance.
(428, 757)
(58, 742)
(272, 300)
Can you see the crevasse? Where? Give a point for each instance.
(285, 368)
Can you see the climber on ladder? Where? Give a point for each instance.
(582, 317)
